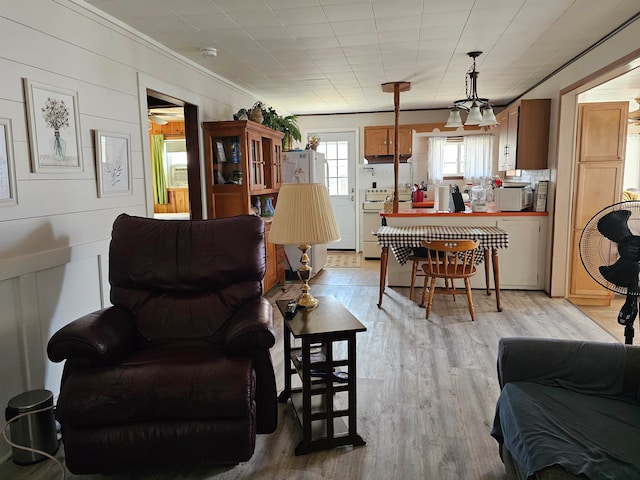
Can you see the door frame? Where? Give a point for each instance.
(192, 111)
(560, 202)
(357, 201)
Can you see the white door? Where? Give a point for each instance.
(339, 149)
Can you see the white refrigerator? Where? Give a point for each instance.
(305, 166)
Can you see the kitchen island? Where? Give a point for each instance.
(522, 265)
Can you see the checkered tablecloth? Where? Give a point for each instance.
(402, 239)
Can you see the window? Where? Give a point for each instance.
(453, 160)
(468, 156)
(337, 157)
(175, 163)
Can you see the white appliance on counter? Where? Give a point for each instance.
(306, 166)
(373, 203)
(513, 198)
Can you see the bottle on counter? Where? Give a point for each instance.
(417, 195)
(489, 189)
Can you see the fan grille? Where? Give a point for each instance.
(596, 250)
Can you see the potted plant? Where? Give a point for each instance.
(270, 118)
(289, 126)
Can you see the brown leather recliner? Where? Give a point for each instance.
(178, 370)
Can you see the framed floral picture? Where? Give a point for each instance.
(7, 171)
(54, 128)
(113, 164)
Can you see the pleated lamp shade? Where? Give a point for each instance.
(303, 216)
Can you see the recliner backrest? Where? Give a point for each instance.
(182, 280)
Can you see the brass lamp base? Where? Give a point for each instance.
(305, 300)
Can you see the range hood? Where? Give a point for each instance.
(386, 158)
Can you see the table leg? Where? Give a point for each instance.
(496, 277)
(356, 439)
(486, 270)
(305, 444)
(384, 257)
(286, 393)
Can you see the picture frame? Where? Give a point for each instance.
(222, 158)
(54, 128)
(7, 165)
(113, 164)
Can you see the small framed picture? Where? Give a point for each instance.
(220, 152)
(7, 165)
(113, 164)
(54, 128)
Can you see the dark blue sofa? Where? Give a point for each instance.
(568, 409)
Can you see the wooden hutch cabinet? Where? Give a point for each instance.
(244, 166)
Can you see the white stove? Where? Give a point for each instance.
(373, 203)
(381, 194)
(375, 197)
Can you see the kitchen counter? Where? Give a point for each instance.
(522, 264)
(425, 209)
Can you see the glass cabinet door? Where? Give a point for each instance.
(277, 166)
(256, 164)
(227, 160)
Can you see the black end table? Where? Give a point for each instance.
(322, 421)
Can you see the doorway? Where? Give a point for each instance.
(175, 159)
(597, 87)
(339, 149)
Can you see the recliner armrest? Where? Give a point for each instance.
(102, 337)
(250, 328)
(587, 367)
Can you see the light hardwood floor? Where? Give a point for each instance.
(607, 318)
(426, 389)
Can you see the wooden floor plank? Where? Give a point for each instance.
(426, 388)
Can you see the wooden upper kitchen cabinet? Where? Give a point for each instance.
(379, 143)
(524, 135)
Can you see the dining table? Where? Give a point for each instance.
(402, 239)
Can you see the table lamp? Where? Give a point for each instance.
(304, 217)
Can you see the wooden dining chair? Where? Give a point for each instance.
(449, 260)
(417, 258)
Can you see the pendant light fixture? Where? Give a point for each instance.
(480, 112)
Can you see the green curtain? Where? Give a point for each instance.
(159, 178)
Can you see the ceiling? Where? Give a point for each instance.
(331, 56)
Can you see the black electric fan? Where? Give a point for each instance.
(610, 252)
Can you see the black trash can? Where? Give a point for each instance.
(36, 431)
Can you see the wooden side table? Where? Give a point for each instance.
(323, 422)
